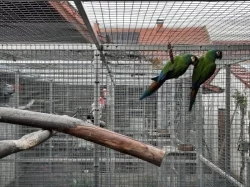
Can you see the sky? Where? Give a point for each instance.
(224, 20)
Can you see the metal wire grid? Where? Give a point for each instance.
(41, 21)
(131, 77)
(184, 22)
(160, 120)
(57, 87)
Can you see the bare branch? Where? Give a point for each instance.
(28, 141)
(84, 130)
(28, 105)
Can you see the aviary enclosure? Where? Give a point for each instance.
(72, 74)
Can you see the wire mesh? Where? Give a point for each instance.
(206, 147)
(181, 22)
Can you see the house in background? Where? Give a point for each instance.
(215, 114)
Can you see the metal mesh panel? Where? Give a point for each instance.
(206, 147)
(56, 87)
(66, 87)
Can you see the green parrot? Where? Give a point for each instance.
(202, 71)
(170, 71)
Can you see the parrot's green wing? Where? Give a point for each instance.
(198, 68)
(202, 72)
(169, 68)
(207, 72)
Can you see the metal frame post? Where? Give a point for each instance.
(247, 183)
(228, 125)
(96, 116)
(50, 111)
(174, 181)
(16, 89)
(17, 127)
(51, 96)
(111, 122)
(199, 133)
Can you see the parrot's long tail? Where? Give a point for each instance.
(192, 97)
(151, 89)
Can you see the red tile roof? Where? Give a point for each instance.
(238, 71)
(192, 35)
(207, 86)
(160, 35)
(211, 89)
(73, 17)
(241, 73)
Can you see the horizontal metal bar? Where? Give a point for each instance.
(78, 73)
(120, 47)
(115, 160)
(140, 47)
(120, 62)
(39, 160)
(227, 60)
(137, 82)
(47, 46)
(220, 171)
(40, 62)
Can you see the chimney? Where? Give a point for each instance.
(159, 25)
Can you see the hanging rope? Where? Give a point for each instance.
(170, 51)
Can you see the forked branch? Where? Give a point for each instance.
(84, 130)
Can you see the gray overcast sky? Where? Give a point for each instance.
(224, 20)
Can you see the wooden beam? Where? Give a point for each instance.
(84, 130)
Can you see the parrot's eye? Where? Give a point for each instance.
(193, 58)
(218, 53)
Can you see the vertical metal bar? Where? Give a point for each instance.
(50, 111)
(247, 183)
(67, 97)
(17, 128)
(96, 116)
(111, 103)
(173, 138)
(16, 89)
(50, 97)
(199, 169)
(228, 125)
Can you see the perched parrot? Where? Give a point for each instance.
(202, 71)
(170, 71)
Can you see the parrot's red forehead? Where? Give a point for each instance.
(19, 87)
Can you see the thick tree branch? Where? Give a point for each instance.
(28, 141)
(84, 130)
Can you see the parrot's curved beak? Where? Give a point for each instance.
(195, 61)
(219, 54)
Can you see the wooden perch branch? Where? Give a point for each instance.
(7, 147)
(84, 130)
